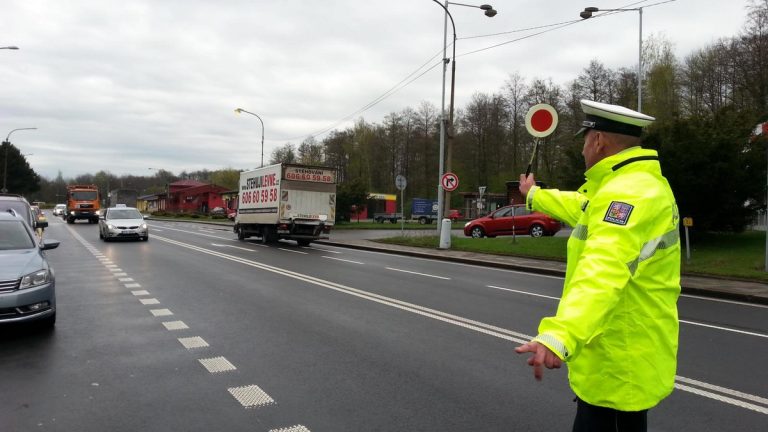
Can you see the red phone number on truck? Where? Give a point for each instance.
(257, 196)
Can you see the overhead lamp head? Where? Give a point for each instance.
(238, 110)
(585, 15)
(490, 13)
(486, 7)
(591, 9)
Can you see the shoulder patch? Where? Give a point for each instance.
(618, 213)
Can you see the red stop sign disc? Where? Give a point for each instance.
(541, 120)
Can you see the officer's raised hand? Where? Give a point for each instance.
(542, 356)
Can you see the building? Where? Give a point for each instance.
(185, 196)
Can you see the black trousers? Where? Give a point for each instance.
(591, 418)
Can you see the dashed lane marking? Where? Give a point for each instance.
(161, 312)
(175, 325)
(140, 292)
(296, 428)
(133, 285)
(294, 251)
(125, 279)
(149, 301)
(217, 365)
(193, 342)
(339, 259)
(120, 274)
(251, 396)
(417, 273)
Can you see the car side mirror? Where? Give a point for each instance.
(49, 244)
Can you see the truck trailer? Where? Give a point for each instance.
(286, 201)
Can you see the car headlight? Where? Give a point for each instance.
(110, 226)
(143, 226)
(467, 224)
(39, 277)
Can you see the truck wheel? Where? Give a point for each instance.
(422, 220)
(240, 235)
(266, 235)
(303, 242)
(70, 220)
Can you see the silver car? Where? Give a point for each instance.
(60, 209)
(27, 285)
(122, 223)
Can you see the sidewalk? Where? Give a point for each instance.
(752, 292)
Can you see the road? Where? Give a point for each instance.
(196, 331)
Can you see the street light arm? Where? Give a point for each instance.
(240, 110)
(8, 138)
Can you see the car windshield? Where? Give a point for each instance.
(124, 214)
(14, 235)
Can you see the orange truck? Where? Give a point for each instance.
(82, 203)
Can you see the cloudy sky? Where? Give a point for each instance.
(123, 86)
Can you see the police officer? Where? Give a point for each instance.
(616, 324)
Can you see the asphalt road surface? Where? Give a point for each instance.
(196, 331)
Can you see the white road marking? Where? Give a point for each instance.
(133, 285)
(295, 428)
(232, 246)
(140, 292)
(110, 265)
(523, 292)
(175, 325)
(251, 396)
(161, 312)
(120, 274)
(149, 301)
(417, 273)
(217, 364)
(725, 329)
(197, 233)
(339, 259)
(193, 342)
(113, 270)
(294, 251)
(126, 279)
(717, 300)
(324, 250)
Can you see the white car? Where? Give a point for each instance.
(122, 223)
(59, 210)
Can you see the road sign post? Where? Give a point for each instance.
(400, 184)
(449, 181)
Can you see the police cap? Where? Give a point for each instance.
(612, 118)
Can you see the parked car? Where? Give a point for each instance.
(17, 205)
(122, 223)
(218, 211)
(454, 215)
(59, 209)
(27, 284)
(501, 221)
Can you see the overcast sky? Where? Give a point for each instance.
(123, 86)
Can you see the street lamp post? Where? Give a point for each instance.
(7, 144)
(446, 155)
(587, 13)
(240, 110)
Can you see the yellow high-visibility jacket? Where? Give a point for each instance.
(616, 325)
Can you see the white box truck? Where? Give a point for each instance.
(286, 201)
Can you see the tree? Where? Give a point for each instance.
(310, 152)
(228, 178)
(284, 154)
(19, 178)
(348, 194)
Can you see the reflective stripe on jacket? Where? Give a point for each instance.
(616, 324)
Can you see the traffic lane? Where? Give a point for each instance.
(528, 287)
(388, 275)
(304, 342)
(683, 344)
(109, 364)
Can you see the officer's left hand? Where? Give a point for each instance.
(541, 356)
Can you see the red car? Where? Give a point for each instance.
(502, 221)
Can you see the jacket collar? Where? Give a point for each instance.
(605, 167)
